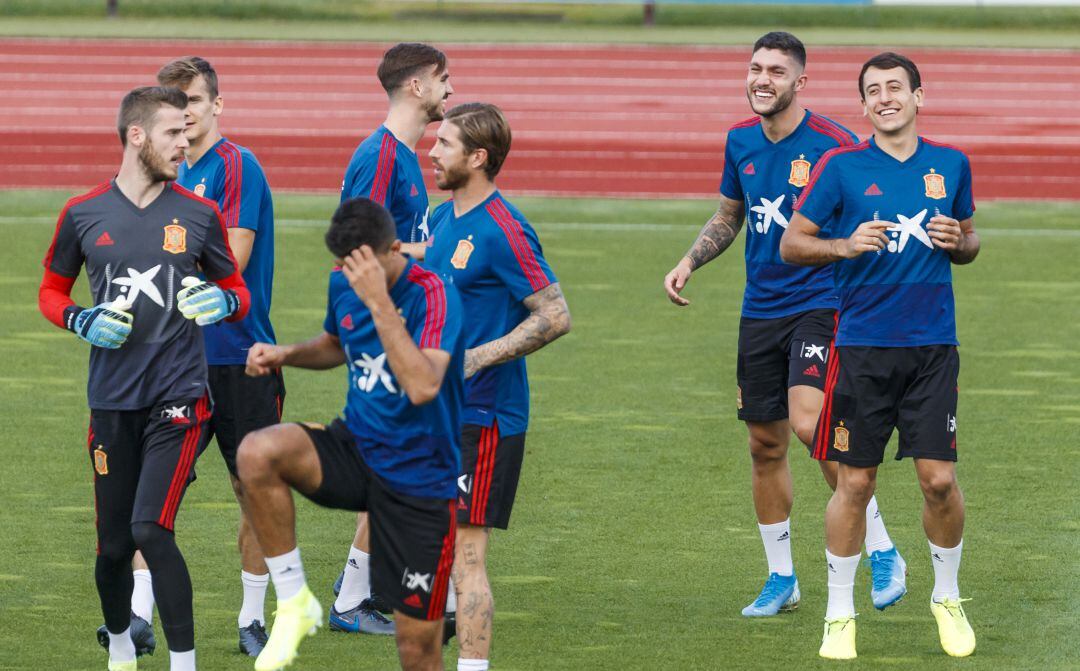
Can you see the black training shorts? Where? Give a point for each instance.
(242, 404)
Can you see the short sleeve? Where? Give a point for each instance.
(217, 259)
(821, 199)
(371, 175)
(730, 186)
(241, 195)
(964, 203)
(516, 256)
(65, 255)
(436, 323)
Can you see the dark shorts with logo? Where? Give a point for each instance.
(490, 471)
(412, 538)
(242, 404)
(872, 390)
(144, 460)
(777, 354)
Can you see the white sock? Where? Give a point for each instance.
(142, 597)
(777, 541)
(182, 661)
(254, 598)
(451, 597)
(472, 664)
(356, 586)
(946, 567)
(121, 648)
(877, 538)
(287, 572)
(841, 585)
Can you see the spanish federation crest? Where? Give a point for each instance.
(101, 461)
(935, 185)
(800, 172)
(464, 250)
(175, 238)
(840, 443)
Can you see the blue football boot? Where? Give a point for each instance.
(889, 575)
(780, 593)
(363, 619)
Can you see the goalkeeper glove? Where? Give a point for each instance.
(106, 325)
(205, 302)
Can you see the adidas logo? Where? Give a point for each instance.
(104, 240)
(937, 557)
(872, 190)
(783, 537)
(414, 601)
(812, 371)
(749, 170)
(353, 563)
(832, 568)
(346, 323)
(414, 191)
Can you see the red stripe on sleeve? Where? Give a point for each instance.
(93, 193)
(387, 153)
(54, 296)
(435, 314)
(234, 176)
(515, 235)
(820, 167)
(746, 123)
(830, 130)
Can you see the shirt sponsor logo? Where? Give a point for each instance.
(371, 371)
(814, 351)
(800, 172)
(140, 283)
(416, 580)
(909, 227)
(768, 213)
(935, 185)
(175, 238)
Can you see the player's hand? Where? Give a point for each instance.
(366, 275)
(945, 232)
(471, 365)
(205, 302)
(868, 237)
(263, 358)
(106, 325)
(676, 280)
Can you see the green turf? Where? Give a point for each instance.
(633, 544)
(444, 22)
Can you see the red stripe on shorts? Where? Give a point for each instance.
(439, 590)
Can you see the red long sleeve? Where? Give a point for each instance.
(54, 297)
(235, 283)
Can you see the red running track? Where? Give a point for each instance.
(627, 121)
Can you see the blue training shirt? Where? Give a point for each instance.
(231, 175)
(901, 296)
(414, 449)
(769, 177)
(386, 171)
(495, 260)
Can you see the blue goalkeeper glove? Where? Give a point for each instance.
(106, 325)
(205, 302)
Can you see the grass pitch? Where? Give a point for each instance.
(633, 543)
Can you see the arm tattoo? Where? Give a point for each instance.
(717, 234)
(549, 318)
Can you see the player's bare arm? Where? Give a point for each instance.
(420, 373)
(801, 245)
(241, 240)
(417, 250)
(716, 235)
(549, 318)
(958, 238)
(320, 353)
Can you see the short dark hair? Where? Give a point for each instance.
(182, 71)
(141, 105)
(403, 61)
(360, 221)
(785, 42)
(888, 60)
(483, 126)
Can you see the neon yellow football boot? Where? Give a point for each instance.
(123, 666)
(296, 619)
(839, 639)
(953, 628)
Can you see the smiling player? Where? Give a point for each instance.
(901, 209)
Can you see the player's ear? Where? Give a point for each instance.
(395, 247)
(800, 82)
(219, 105)
(918, 94)
(478, 158)
(136, 135)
